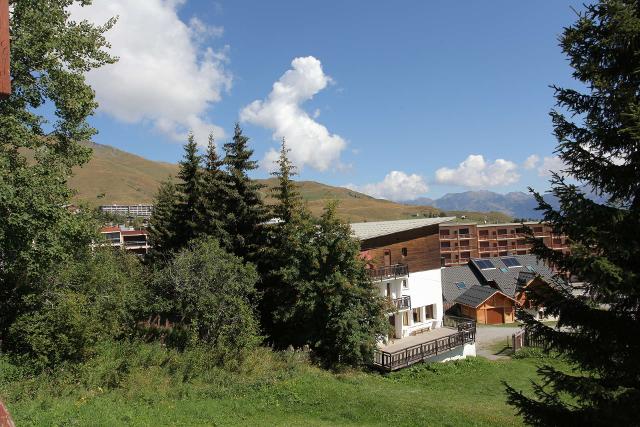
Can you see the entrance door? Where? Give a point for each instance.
(392, 322)
(494, 315)
(387, 258)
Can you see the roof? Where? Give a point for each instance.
(500, 276)
(502, 224)
(109, 229)
(476, 295)
(134, 232)
(369, 230)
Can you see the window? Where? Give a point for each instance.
(464, 243)
(521, 230)
(461, 285)
(511, 262)
(404, 284)
(530, 268)
(483, 232)
(445, 244)
(428, 311)
(405, 318)
(388, 290)
(463, 231)
(417, 315)
(484, 244)
(444, 232)
(504, 270)
(465, 255)
(502, 231)
(537, 229)
(484, 264)
(502, 243)
(404, 251)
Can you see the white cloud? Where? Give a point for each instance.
(531, 162)
(550, 165)
(475, 172)
(165, 77)
(396, 185)
(310, 142)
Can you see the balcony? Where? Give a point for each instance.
(448, 237)
(402, 303)
(466, 236)
(131, 243)
(389, 272)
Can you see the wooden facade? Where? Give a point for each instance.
(497, 309)
(5, 76)
(418, 248)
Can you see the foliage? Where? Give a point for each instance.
(599, 140)
(208, 291)
(214, 197)
(163, 232)
(50, 55)
(245, 211)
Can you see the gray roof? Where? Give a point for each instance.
(369, 230)
(501, 276)
(476, 295)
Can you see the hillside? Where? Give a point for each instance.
(115, 176)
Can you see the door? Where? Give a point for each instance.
(389, 290)
(494, 315)
(387, 258)
(392, 322)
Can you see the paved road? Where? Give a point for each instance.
(486, 336)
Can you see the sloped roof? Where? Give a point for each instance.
(451, 276)
(369, 230)
(476, 295)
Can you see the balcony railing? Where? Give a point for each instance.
(402, 303)
(465, 236)
(135, 242)
(389, 272)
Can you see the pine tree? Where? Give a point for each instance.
(163, 224)
(189, 190)
(599, 142)
(245, 209)
(214, 193)
(286, 192)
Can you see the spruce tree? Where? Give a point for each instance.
(213, 197)
(163, 224)
(245, 211)
(598, 130)
(189, 189)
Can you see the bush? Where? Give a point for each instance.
(209, 292)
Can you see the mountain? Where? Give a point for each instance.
(514, 204)
(115, 176)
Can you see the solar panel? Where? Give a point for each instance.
(461, 285)
(484, 264)
(511, 262)
(504, 270)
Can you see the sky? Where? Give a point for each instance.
(399, 100)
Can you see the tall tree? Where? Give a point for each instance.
(599, 141)
(189, 190)
(50, 55)
(286, 191)
(214, 197)
(245, 209)
(163, 224)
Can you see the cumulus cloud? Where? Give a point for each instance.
(531, 162)
(474, 171)
(396, 185)
(165, 77)
(550, 165)
(310, 142)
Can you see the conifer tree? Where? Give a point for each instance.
(214, 193)
(245, 210)
(599, 142)
(163, 223)
(189, 189)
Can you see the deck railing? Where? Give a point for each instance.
(402, 303)
(389, 272)
(459, 323)
(420, 352)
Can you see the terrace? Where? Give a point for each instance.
(389, 272)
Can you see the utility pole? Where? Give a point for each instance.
(5, 74)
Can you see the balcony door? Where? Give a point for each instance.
(387, 257)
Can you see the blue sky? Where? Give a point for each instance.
(391, 98)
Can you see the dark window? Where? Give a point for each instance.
(502, 231)
(537, 229)
(484, 264)
(463, 231)
(483, 232)
(461, 285)
(444, 232)
(502, 243)
(404, 251)
(464, 243)
(484, 244)
(445, 244)
(511, 262)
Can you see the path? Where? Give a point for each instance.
(488, 336)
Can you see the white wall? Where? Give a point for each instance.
(425, 288)
(455, 354)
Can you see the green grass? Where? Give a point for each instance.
(148, 385)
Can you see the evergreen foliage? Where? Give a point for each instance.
(598, 130)
(190, 193)
(50, 55)
(214, 196)
(163, 231)
(245, 211)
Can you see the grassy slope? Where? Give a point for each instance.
(115, 176)
(455, 394)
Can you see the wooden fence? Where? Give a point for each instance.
(526, 338)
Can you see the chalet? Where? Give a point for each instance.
(405, 265)
(489, 290)
(128, 238)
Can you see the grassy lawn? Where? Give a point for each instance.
(274, 390)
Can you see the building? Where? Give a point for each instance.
(489, 290)
(127, 238)
(461, 242)
(129, 211)
(404, 263)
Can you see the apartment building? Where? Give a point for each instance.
(132, 211)
(460, 242)
(127, 238)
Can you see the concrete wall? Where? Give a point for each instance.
(467, 350)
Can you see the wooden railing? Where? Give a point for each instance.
(389, 272)
(402, 303)
(420, 352)
(459, 323)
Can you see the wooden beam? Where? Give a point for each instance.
(5, 75)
